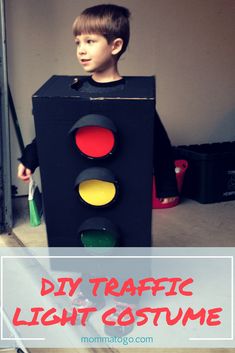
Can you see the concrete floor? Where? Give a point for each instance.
(194, 224)
(190, 224)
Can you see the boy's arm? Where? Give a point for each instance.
(29, 157)
(163, 162)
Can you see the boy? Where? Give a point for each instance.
(102, 35)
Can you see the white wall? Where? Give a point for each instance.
(188, 44)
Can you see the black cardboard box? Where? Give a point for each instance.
(131, 108)
(211, 173)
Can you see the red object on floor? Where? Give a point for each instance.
(180, 169)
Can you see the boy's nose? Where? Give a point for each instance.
(81, 49)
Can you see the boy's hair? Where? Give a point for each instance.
(110, 21)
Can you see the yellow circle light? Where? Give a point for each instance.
(97, 192)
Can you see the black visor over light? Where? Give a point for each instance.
(97, 186)
(95, 135)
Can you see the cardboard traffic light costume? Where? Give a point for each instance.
(95, 151)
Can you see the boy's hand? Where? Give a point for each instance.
(168, 199)
(23, 172)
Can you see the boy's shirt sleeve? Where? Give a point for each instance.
(163, 162)
(29, 157)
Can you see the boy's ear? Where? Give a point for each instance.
(117, 46)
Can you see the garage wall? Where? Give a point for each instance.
(188, 44)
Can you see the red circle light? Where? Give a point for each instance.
(94, 141)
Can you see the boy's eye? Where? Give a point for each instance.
(90, 41)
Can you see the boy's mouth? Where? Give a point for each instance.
(84, 61)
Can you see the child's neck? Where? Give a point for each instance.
(109, 75)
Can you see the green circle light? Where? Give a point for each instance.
(98, 238)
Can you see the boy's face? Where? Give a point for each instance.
(94, 53)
